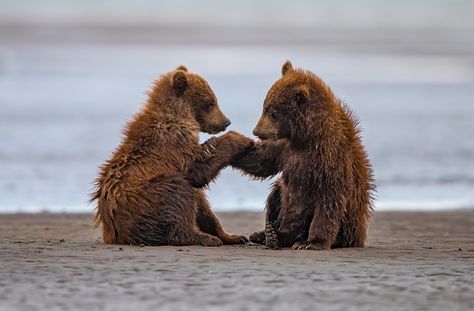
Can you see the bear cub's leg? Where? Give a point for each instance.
(324, 227)
(208, 222)
(272, 210)
(173, 220)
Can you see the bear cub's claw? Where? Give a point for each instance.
(210, 145)
(309, 246)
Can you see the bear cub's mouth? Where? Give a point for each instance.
(214, 130)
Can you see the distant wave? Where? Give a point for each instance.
(412, 206)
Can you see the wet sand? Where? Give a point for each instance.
(414, 261)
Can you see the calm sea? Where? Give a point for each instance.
(65, 95)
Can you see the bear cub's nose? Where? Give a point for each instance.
(227, 123)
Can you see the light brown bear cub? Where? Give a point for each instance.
(149, 192)
(323, 198)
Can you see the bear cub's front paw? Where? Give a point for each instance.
(238, 144)
(239, 140)
(210, 145)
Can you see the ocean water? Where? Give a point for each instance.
(63, 107)
(72, 73)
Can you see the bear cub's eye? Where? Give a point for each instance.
(207, 105)
(272, 113)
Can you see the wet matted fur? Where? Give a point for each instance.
(323, 198)
(149, 192)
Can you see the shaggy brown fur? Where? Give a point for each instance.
(149, 192)
(323, 198)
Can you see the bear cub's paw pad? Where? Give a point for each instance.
(271, 237)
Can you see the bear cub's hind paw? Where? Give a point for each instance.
(258, 237)
(235, 239)
(310, 246)
(211, 241)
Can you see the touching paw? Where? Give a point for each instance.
(239, 141)
(209, 145)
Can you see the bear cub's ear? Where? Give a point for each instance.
(302, 94)
(182, 68)
(179, 82)
(287, 66)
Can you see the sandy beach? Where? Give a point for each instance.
(414, 261)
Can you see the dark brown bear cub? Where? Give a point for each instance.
(323, 198)
(149, 192)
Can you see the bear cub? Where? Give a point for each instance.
(323, 197)
(150, 191)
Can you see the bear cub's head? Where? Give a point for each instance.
(194, 91)
(285, 104)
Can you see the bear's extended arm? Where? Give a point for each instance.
(264, 160)
(220, 152)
